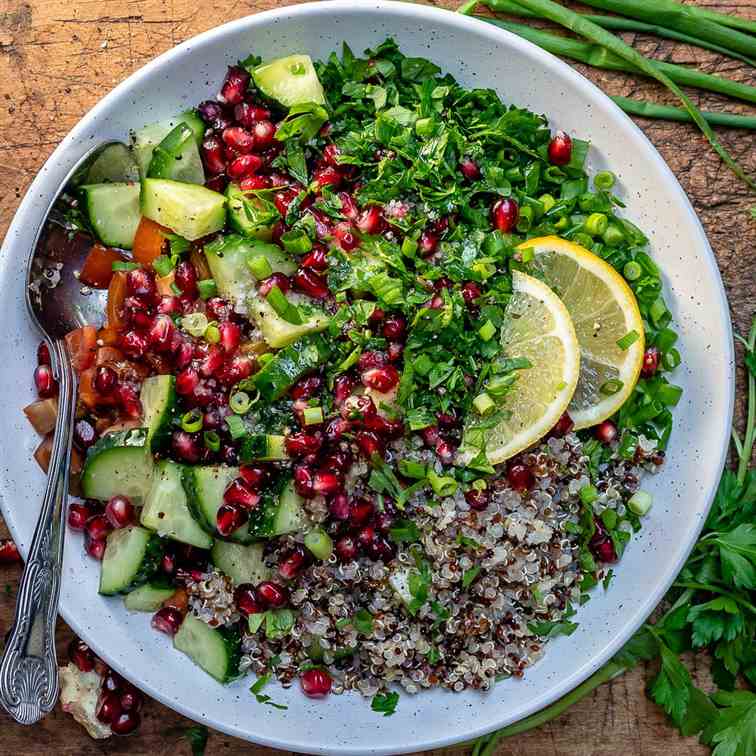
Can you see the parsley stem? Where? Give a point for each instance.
(749, 437)
(714, 589)
(468, 7)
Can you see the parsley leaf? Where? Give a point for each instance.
(197, 736)
(404, 531)
(262, 698)
(672, 686)
(385, 703)
(733, 732)
(469, 576)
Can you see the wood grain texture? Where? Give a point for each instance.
(59, 57)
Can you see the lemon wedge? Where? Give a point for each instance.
(607, 322)
(538, 328)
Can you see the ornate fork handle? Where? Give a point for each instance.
(29, 669)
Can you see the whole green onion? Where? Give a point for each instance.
(191, 421)
(670, 113)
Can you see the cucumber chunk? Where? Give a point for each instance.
(262, 447)
(158, 397)
(190, 210)
(177, 157)
(250, 214)
(166, 509)
(149, 597)
(243, 564)
(277, 331)
(216, 650)
(291, 516)
(132, 556)
(150, 136)
(113, 211)
(115, 164)
(119, 464)
(291, 80)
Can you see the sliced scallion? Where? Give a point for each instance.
(212, 440)
(611, 387)
(195, 324)
(162, 265)
(236, 427)
(120, 265)
(596, 224)
(191, 421)
(319, 544)
(640, 503)
(487, 331)
(207, 288)
(260, 267)
(628, 339)
(240, 402)
(312, 415)
(212, 334)
(604, 180)
(632, 271)
(442, 485)
(484, 404)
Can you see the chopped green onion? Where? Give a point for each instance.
(175, 289)
(236, 427)
(162, 265)
(632, 271)
(562, 223)
(525, 219)
(609, 518)
(604, 180)
(260, 267)
(658, 310)
(313, 415)
(296, 242)
(285, 309)
(613, 236)
(671, 359)
(212, 440)
(500, 386)
(627, 445)
(119, 265)
(191, 421)
(548, 201)
(319, 543)
(212, 334)
(240, 402)
(527, 254)
(195, 324)
(207, 288)
(411, 469)
(639, 503)
(484, 404)
(596, 224)
(484, 269)
(487, 331)
(611, 387)
(442, 485)
(588, 494)
(265, 358)
(584, 240)
(409, 246)
(628, 339)
(666, 338)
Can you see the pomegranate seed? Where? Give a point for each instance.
(504, 214)
(436, 302)
(299, 444)
(327, 176)
(234, 86)
(383, 550)
(383, 521)
(346, 548)
(342, 388)
(160, 335)
(167, 620)
(9, 552)
(186, 446)
(213, 155)
(331, 154)
(236, 369)
(277, 279)
(108, 707)
(520, 478)
(239, 494)
(105, 380)
(81, 655)
(244, 166)
(316, 683)
(97, 527)
(361, 511)
(131, 699)
(45, 382)
(212, 113)
(141, 283)
(650, 362)
(292, 563)
(563, 427)
(348, 206)
(445, 451)
(336, 429)
(367, 536)
(95, 549)
(128, 398)
(560, 149)
(478, 500)
(272, 594)
(126, 723)
(183, 353)
(337, 461)
(306, 387)
(186, 278)
(212, 361)
(78, 514)
(168, 564)
(303, 480)
(394, 351)
(217, 183)
(358, 408)
(344, 234)
(43, 353)
(316, 260)
(384, 427)
(84, 434)
(218, 309)
(230, 518)
(381, 378)
(470, 292)
(606, 432)
(447, 420)
(265, 134)
(311, 283)
(283, 199)
(430, 435)
(120, 512)
(427, 244)
(394, 327)
(340, 507)
(246, 601)
(371, 359)
(368, 443)
(186, 381)
(133, 344)
(253, 476)
(247, 114)
(370, 220)
(469, 169)
(325, 483)
(253, 183)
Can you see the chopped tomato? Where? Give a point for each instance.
(82, 345)
(98, 267)
(116, 295)
(148, 241)
(106, 354)
(165, 284)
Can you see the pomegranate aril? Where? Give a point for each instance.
(470, 292)
(606, 432)
(141, 283)
(336, 429)
(131, 700)
(213, 155)
(342, 388)
(315, 683)
(369, 443)
(348, 206)
(504, 214)
(97, 527)
(244, 166)
(246, 601)
(358, 408)
(235, 85)
(253, 183)
(331, 154)
(186, 447)
(370, 220)
(108, 707)
(264, 134)
(394, 327)
(427, 244)
(340, 507)
(218, 309)
(254, 476)
(371, 359)
(520, 477)
(346, 548)
(325, 483)
(445, 451)
(43, 353)
(477, 500)
(112, 682)
(186, 381)
(316, 260)
(311, 283)
(282, 199)
(650, 363)
(78, 514)
(327, 176)
(292, 563)
(168, 564)
(81, 655)
(394, 351)
(167, 620)
(280, 280)
(230, 518)
(430, 435)
(271, 594)
(560, 149)
(160, 335)
(381, 379)
(95, 549)
(119, 512)
(238, 493)
(212, 361)
(247, 114)
(133, 344)
(236, 369)
(361, 511)
(186, 278)
(126, 723)
(300, 444)
(84, 434)
(344, 234)
(211, 112)
(45, 382)
(307, 387)
(469, 169)
(303, 480)
(563, 426)
(384, 427)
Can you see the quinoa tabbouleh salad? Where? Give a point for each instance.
(380, 374)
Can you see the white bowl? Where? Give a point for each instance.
(478, 55)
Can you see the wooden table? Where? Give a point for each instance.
(59, 57)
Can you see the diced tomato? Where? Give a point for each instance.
(106, 354)
(148, 241)
(116, 295)
(165, 284)
(82, 345)
(98, 267)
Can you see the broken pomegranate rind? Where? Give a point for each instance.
(79, 692)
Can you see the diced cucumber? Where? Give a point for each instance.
(291, 80)
(115, 164)
(132, 556)
(119, 464)
(279, 332)
(158, 397)
(217, 650)
(227, 257)
(291, 516)
(113, 211)
(148, 137)
(166, 509)
(204, 486)
(262, 447)
(243, 564)
(250, 214)
(192, 211)
(149, 597)
(177, 157)
(289, 365)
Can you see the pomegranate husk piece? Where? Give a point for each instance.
(116, 294)
(149, 241)
(107, 336)
(42, 414)
(107, 354)
(98, 267)
(165, 284)
(179, 600)
(198, 259)
(43, 453)
(82, 346)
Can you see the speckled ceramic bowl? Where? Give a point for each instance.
(478, 55)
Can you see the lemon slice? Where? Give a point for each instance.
(604, 312)
(537, 327)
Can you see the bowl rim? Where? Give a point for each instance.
(393, 8)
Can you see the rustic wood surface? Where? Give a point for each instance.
(59, 57)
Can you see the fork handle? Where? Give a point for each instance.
(29, 670)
